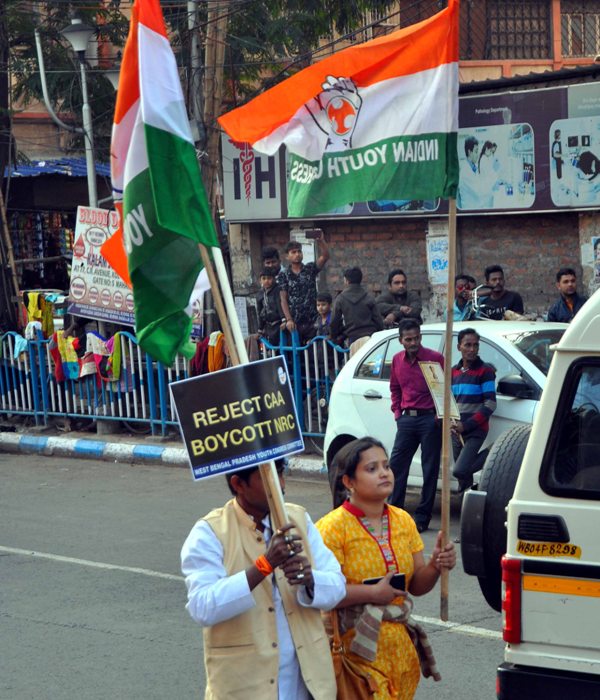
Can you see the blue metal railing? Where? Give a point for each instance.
(140, 397)
(312, 369)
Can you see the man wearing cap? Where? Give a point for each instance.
(416, 421)
(258, 595)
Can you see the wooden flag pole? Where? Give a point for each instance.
(226, 311)
(218, 299)
(447, 420)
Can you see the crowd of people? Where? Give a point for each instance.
(497, 303)
(258, 590)
(288, 299)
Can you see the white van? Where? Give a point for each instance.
(548, 582)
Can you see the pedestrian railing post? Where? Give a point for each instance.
(162, 398)
(151, 392)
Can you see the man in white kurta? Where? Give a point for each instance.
(216, 596)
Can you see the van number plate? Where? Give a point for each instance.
(548, 549)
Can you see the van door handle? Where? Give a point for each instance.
(371, 394)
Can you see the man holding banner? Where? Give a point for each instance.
(416, 421)
(258, 595)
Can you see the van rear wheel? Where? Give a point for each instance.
(498, 480)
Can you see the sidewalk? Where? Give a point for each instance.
(126, 448)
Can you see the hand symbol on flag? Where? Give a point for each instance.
(339, 105)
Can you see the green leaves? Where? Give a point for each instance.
(62, 67)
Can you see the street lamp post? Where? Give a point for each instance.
(78, 34)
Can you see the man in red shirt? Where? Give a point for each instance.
(416, 421)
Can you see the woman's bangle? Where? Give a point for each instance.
(262, 564)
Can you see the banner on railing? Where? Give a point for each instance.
(238, 417)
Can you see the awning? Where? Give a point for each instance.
(72, 167)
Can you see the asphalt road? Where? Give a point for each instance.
(92, 601)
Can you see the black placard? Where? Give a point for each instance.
(238, 417)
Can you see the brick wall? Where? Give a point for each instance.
(529, 247)
(374, 246)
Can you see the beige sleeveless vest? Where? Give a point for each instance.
(241, 654)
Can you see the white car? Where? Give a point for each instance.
(360, 403)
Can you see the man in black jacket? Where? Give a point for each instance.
(569, 302)
(355, 313)
(398, 303)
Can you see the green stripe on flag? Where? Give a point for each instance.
(179, 194)
(163, 266)
(398, 168)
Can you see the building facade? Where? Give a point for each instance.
(510, 51)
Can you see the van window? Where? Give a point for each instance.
(572, 464)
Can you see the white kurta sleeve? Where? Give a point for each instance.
(212, 595)
(330, 584)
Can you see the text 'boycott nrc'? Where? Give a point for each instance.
(253, 420)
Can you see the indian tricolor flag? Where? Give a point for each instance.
(377, 121)
(164, 211)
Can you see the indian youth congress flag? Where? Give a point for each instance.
(375, 121)
(154, 170)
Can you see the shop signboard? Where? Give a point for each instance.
(521, 151)
(96, 291)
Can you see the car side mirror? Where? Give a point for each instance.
(514, 385)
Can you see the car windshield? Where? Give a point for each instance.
(535, 345)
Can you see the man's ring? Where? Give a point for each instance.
(287, 539)
(291, 553)
(299, 576)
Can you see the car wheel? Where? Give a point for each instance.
(498, 480)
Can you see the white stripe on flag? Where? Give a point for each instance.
(121, 139)
(162, 100)
(405, 106)
(137, 156)
(202, 285)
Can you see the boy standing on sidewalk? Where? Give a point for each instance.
(268, 305)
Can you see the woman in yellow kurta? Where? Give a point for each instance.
(373, 539)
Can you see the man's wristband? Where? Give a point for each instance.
(262, 564)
